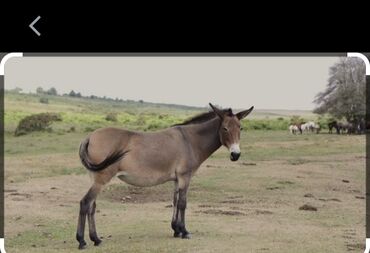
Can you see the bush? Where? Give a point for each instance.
(36, 122)
(324, 120)
(140, 121)
(44, 100)
(91, 129)
(296, 120)
(111, 117)
(72, 129)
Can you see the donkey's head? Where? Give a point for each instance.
(229, 130)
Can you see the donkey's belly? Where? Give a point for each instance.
(143, 180)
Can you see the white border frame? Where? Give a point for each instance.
(2, 245)
(2, 72)
(367, 66)
(5, 59)
(364, 58)
(19, 54)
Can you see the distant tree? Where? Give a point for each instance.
(344, 96)
(111, 117)
(16, 90)
(40, 90)
(78, 94)
(52, 91)
(72, 93)
(44, 100)
(141, 101)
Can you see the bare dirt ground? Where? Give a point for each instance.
(294, 204)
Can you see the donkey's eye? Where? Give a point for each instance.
(225, 129)
(241, 128)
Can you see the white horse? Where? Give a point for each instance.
(305, 127)
(313, 127)
(293, 129)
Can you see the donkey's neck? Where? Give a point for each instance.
(205, 139)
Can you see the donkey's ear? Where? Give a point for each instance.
(218, 112)
(243, 114)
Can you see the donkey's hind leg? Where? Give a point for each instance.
(92, 229)
(87, 207)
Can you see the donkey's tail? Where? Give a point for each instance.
(85, 160)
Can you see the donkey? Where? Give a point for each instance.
(148, 159)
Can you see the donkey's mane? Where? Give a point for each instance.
(203, 117)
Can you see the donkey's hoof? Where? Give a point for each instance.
(97, 242)
(186, 236)
(82, 245)
(176, 234)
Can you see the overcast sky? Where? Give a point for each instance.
(237, 82)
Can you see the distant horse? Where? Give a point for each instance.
(293, 129)
(333, 124)
(148, 159)
(304, 127)
(309, 127)
(313, 127)
(361, 128)
(299, 126)
(348, 128)
(343, 128)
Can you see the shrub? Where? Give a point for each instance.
(71, 129)
(36, 122)
(89, 129)
(111, 117)
(295, 120)
(44, 100)
(153, 126)
(141, 121)
(324, 120)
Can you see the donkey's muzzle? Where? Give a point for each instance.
(234, 156)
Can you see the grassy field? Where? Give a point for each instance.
(247, 206)
(84, 114)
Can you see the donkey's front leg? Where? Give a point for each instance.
(174, 226)
(182, 207)
(183, 185)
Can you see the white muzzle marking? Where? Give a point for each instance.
(234, 148)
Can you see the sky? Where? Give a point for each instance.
(239, 82)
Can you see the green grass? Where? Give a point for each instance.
(281, 145)
(85, 114)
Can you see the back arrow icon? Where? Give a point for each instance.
(32, 26)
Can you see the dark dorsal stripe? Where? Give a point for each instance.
(206, 116)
